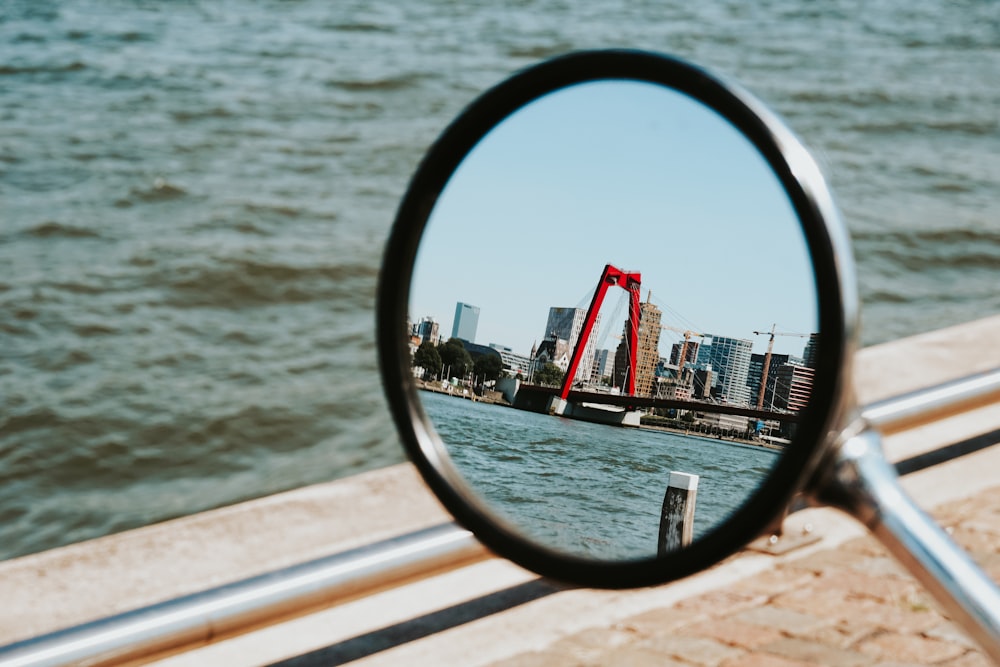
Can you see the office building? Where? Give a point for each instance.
(466, 322)
(567, 324)
(603, 367)
(730, 359)
(809, 356)
(647, 351)
(514, 364)
(427, 329)
(793, 387)
(757, 372)
(690, 355)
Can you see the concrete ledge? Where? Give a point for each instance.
(74, 584)
(82, 582)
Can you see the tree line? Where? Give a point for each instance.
(456, 360)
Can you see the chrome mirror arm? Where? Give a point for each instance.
(858, 480)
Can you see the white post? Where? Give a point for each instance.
(677, 515)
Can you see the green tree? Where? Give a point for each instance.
(456, 360)
(489, 366)
(549, 374)
(427, 357)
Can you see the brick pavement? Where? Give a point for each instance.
(844, 607)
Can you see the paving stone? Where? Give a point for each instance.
(991, 565)
(977, 542)
(952, 633)
(766, 660)
(694, 650)
(969, 659)
(953, 513)
(783, 620)
(844, 634)
(658, 621)
(774, 582)
(542, 659)
(841, 606)
(910, 647)
(865, 545)
(721, 602)
(638, 656)
(603, 637)
(821, 561)
(589, 645)
(733, 632)
(881, 566)
(859, 584)
(805, 651)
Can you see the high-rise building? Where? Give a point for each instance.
(702, 387)
(809, 356)
(567, 324)
(427, 329)
(647, 351)
(690, 355)
(604, 365)
(757, 372)
(466, 322)
(793, 386)
(730, 359)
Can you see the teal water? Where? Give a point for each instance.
(590, 490)
(194, 197)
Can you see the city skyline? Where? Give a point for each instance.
(665, 187)
(795, 348)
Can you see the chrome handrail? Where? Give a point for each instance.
(923, 406)
(187, 622)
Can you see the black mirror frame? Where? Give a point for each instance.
(829, 251)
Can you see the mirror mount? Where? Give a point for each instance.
(858, 480)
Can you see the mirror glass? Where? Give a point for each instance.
(656, 204)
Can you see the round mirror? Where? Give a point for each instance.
(606, 316)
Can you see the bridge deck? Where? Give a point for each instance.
(671, 403)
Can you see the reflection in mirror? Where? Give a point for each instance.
(624, 236)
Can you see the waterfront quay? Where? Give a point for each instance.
(459, 391)
(648, 422)
(839, 601)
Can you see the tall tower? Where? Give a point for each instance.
(809, 355)
(793, 387)
(730, 359)
(757, 372)
(466, 322)
(567, 323)
(647, 352)
(604, 366)
(690, 356)
(427, 329)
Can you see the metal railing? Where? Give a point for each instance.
(908, 411)
(195, 620)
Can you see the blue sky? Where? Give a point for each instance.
(626, 173)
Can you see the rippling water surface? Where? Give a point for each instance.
(590, 490)
(193, 199)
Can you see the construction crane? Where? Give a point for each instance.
(767, 359)
(687, 333)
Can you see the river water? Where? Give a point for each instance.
(590, 490)
(194, 196)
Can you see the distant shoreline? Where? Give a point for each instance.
(471, 396)
(714, 438)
